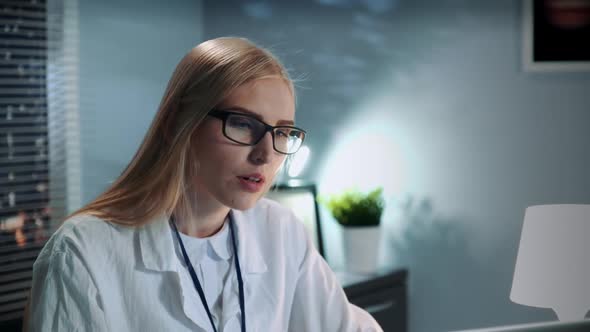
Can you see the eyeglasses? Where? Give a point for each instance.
(247, 130)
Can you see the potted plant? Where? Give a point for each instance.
(359, 214)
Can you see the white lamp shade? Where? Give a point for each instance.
(553, 263)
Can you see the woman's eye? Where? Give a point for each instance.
(242, 124)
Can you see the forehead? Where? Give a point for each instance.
(270, 99)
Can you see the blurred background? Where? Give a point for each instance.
(438, 102)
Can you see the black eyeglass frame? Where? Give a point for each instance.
(224, 114)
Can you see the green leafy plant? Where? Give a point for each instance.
(354, 208)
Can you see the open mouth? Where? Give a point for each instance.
(251, 179)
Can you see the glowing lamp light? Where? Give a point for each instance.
(299, 161)
(365, 158)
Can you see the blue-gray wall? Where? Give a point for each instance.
(486, 138)
(128, 50)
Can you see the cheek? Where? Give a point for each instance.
(221, 159)
(224, 162)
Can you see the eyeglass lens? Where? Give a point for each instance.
(248, 130)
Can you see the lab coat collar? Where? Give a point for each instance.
(249, 252)
(157, 249)
(216, 247)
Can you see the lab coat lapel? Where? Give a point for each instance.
(156, 246)
(157, 254)
(192, 306)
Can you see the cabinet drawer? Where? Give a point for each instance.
(384, 296)
(387, 306)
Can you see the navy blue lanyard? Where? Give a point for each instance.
(191, 270)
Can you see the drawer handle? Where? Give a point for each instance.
(379, 306)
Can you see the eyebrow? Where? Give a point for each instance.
(258, 116)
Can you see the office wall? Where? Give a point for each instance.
(128, 50)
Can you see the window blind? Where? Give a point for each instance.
(39, 149)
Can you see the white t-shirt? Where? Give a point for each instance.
(98, 276)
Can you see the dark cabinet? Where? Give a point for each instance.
(384, 296)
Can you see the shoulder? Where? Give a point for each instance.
(81, 235)
(271, 207)
(274, 216)
(277, 228)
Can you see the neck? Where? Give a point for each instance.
(206, 218)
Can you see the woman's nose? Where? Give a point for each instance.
(263, 149)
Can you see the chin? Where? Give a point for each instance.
(243, 203)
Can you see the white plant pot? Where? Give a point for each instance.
(361, 248)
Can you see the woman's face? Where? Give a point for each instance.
(222, 163)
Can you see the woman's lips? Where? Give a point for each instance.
(249, 185)
(254, 175)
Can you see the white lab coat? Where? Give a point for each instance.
(97, 276)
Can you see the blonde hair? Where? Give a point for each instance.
(158, 177)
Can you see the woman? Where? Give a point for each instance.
(184, 240)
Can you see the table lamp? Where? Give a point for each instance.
(553, 263)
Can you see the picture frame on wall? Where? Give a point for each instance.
(556, 35)
(302, 200)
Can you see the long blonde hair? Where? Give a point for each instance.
(158, 177)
